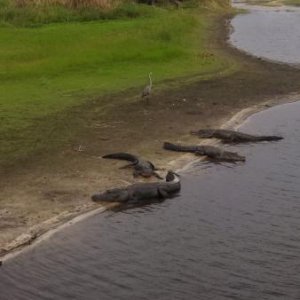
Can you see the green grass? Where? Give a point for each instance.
(32, 15)
(292, 2)
(45, 70)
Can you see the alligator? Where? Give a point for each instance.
(140, 192)
(231, 136)
(213, 153)
(141, 167)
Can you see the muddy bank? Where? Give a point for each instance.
(270, 3)
(53, 187)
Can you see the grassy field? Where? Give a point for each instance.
(46, 69)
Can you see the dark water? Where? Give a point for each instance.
(272, 33)
(234, 233)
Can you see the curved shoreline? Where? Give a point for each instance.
(252, 8)
(181, 164)
(185, 161)
(203, 106)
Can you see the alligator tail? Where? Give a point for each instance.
(270, 138)
(100, 198)
(122, 156)
(170, 146)
(96, 197)
(180, 148)
(173, 147)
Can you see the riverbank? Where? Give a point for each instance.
(42, 231)
(274, 2)
(64, 181)
(61, 78)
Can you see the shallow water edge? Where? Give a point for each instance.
(180, 164)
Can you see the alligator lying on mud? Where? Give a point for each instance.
(138, 192)
(231, 136)
(211, 152)
(141, 167)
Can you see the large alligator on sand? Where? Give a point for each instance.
(138, 192)
(231, 136)
(141, 167)
(211, 152)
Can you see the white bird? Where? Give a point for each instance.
(147, 90)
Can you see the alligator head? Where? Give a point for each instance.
(172, 177)
(113, 195)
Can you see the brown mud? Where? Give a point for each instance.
(46, 190)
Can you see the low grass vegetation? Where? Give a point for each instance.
(292, 2)
(51, 63)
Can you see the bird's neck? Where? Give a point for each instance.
(150, 80)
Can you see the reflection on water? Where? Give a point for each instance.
(234, 233)
(272, 33)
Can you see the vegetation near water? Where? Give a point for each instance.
(292, 2)
(58, 55)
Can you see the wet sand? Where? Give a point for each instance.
(53, 188)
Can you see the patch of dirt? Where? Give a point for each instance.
(58, 185)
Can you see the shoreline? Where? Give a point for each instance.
(185, 161)
(56, 190)
(182, 164)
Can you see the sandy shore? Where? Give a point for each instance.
(46, 229)
(54, 188)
